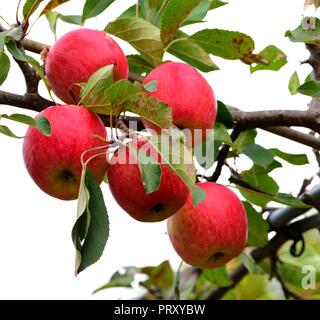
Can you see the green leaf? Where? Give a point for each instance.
(99, 81)
(296, 159)
(189, 280)
(15, 34)
(291, 267)
(250, 264)
(221, 133)
(310, 88)
(43, 125)
(30, 7)
(306, 32)
(41, 122)
(290, 200)
(309, 257)
(5, 67)
(272, 166)
(142, 35)
(177, 157)
(261, 182)
(133, 99)
(259, 155)
(218, 276)
(72, 19)
(122, 280)
(52, 5)
(21, 118)
(224, 116)
(138, 65)
(225, 44)
(90, 232)
(8, 35)
(52, 18)
(189, 51)
(214, 4)
(198, 195)
(150, 171)
(294, 83)
(258, 227)
(92, 8)
(146, 12)
(175, 12)
(282, 198)
(22, 56)
(245, 138)
(127, 96)
(131, 12)
(198, 13)
(308, 77)
(292, 274)
(150, 86)
(161, 277)
(258, 177)
(119, 92)
(3, 36)
(6, 131)
(275, 58)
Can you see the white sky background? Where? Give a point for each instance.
(37, 254)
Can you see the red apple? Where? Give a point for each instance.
(189, 95)
(212, 233)
(54, 162)
(76, 56)
(126, 185)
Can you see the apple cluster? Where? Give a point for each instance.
(207, 235)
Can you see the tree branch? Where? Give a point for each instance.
(31, 77)
(34, 46)
(314, 59)
(37, 103)
(30, 101)
(245, 120)
(294, 135)
(222, 156)
(275, 121)
(274, 118)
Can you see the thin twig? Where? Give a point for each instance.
(306, 182)
(288, 293)
(222, 156)
(17, 12)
